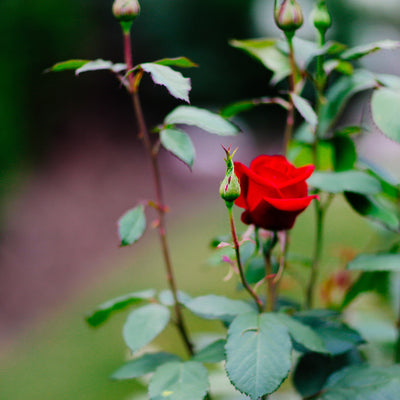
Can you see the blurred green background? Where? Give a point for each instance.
(70, 166)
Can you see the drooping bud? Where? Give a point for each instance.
(288, 16)
(126, 10)
(320, 17)
(230, 186)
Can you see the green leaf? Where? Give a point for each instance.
(302, 334)
(363, 382)
(179, 381)
(370, 208)
(132, 225)
(385, 106)
(375, 262)
(391, 81)
(66, 65)
(179, 144)
(255, 270)
(363, 50)
(345, 181)
(203, 119)
(165, 297)
(390, 185)
(102, 312)
(377, 281)
(305, 109)
(266, 51)
(340, 66)
(176, 84)
(182, 62)
(258, 352)
(337, 336)
(217, 307)
(235, 108)
(144, 324)
(143, 365)
(213, 353)
(350, 130)
(313, 370)
(98, 65)
(339, 94)
(345, 154)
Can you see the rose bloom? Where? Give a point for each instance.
(273, 192)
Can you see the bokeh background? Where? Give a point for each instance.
(70, 165)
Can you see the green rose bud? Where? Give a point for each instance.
(126, 10)
(321, 17)
(230, 186)
(288, 16)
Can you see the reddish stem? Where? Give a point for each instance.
(249, 289)
(145, 137)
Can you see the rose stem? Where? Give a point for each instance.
(319, 208)
(292, 83)
(320, 218)
(269, 281)
(239, 263)
(397, 348)
(145, 137)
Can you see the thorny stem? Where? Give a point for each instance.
(292, 84)
(397, 348)
(239, 263)
(145, 137)
(270, 284)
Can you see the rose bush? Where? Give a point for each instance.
(273, 192)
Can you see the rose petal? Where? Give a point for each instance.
(262, 180)
(253, 187)
(302, 174)
(291, 204)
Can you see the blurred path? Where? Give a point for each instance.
(61, 227)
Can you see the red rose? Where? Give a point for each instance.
(273, 192)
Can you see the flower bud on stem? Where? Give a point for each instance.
(126, 11)
(230, 187)
(288, 16)
(230, 191)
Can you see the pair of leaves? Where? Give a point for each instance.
(174, 140)
(179, 143)
(258, 350)
(160, 71)
(172, 379)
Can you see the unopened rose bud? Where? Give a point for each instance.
(288, 16)
(321, 17)
(230, 186)
(126, 10)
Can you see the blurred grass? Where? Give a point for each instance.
(62, 358)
